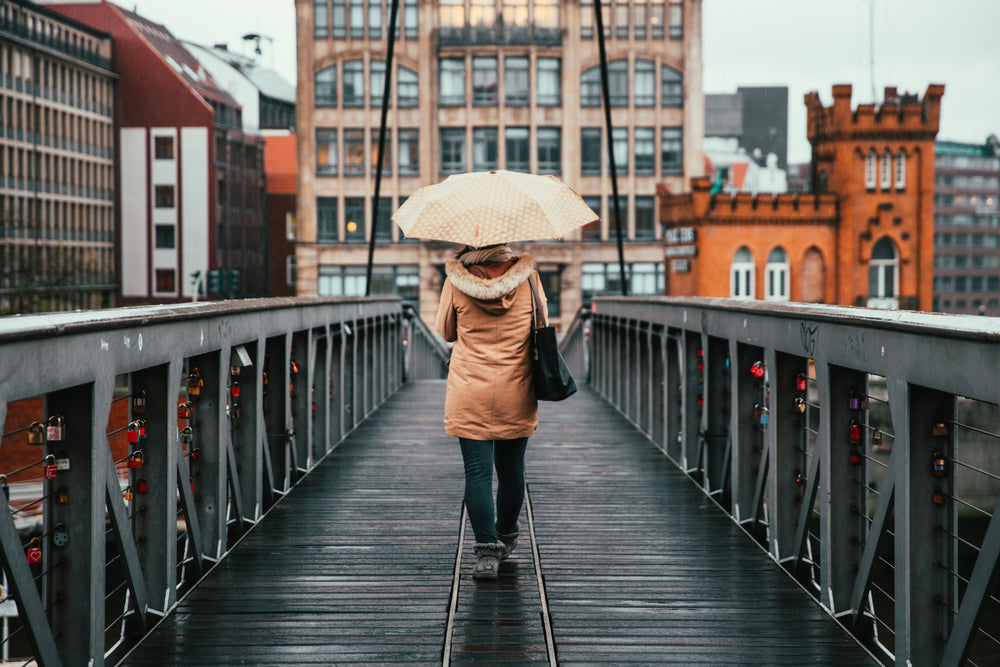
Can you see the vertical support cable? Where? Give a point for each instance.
(391, 37)
(606, 91)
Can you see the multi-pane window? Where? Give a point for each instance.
(640, 17)
(407, 88)
(409, 152)
(484, 148)
(452, 150)
(326, 220)
(341, 280)
(452, 82)
(383, 222)
(326, 152)
(657, 18)
(484, 81)
(671, 153)
(548, 91)
(645, 278)
(619, 149)
(163, 148)
(741, 275)
(375, 19)
(165, 280)
(547, 13)
(451, 13)
(387, 160)
(165, 236)
(320, 19)
(483, 13)
(354, 84)
(549, 141)
(586, 19)
(645, 151)
(621, 19)
(590, 87)
(671, 87)
(901, 170)
(357, 18)
(645, 83)
(590, 151)
(776, 276)
(164, 196)
(339, 19)
(618, 82)
(516, 81)
(676, 18)
(592, 230)
(516, 149)
(886, 180)
(515, 12)
(410, 21)
(326, 87)
(883, 271)
(870, 168)
(377, 79)
(291, 275)
(354, 152)
(354, 220)
(645, 228)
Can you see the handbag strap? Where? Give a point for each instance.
(536, 310)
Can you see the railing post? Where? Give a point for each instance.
(633, 368)
(842, 496)
(303, 357)
(248, 430)
(276, 416)
(73, 580)
(673, 396)
(691, 412)
(337, 403)
(658, 386)
(211, 430)
(320, 408)
(923, 546)
(715, 373)
(748, 446)
(787, 461)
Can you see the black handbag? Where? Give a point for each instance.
(552, 379)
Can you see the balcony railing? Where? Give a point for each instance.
(498, 34)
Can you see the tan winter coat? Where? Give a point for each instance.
(490, 394)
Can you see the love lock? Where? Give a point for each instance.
(60, 536)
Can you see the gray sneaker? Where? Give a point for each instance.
(509, 542)
(487, 560)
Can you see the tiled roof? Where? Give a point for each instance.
(280, 164)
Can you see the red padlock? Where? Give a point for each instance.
(854, 432)
(854, 457)
(236, 389)
(800, 382)
(757, 370)
(195, 453)
(937, 498)
(35, 550)
(141, 486)
(185, 410)
(194, 383)
(142, 429)
(49, 469)
(132, 434)
(135, 460)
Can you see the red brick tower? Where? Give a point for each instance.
(879, 160)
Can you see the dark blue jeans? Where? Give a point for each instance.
(480, 457)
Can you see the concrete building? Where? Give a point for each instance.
(864, 236)
(480, 85)
(191, 195)
(57, 148)
(967, 227)
(756, 117)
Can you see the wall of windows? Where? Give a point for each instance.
(350, 94)
(518, 83)
(363, 19)
(600, 279)
(643, 88)
(341, 280)
(638, 19)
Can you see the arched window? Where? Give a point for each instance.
(618, 82)
(326, 87)
(741, 275)
(870, 166)
(776, 276)
(883, 275)
(354, 83)
(645, 83)
(812, 277)
(901, 170)
(886, 181)
(671, 87)
(408, 90)
(377, 81)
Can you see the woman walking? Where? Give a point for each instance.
(490, 405)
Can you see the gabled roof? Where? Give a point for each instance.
(267, 81)
(280, 164)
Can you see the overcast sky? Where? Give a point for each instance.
(803, 44)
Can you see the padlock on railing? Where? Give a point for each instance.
(185, 410)
(54, 431)
(34, 550)
(940, 429)
(142, 429)
(800, 382)
(141, 486)
(60, 535)
(139, 401)
(294, 367)
(187, 435)
(800, 404)
(49, 468)
(765, 416)
(757, 370)
(194, 384)
(235, 389)
(36, 434)
(62, 496)
(127, 494)
(877, 437)
(854, 457)
(132, 433)
(939, 465)
(854, 432)
(853, 402)
(234, 371)
(135, 460)
(195, 453)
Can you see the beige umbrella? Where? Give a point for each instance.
(488, 207)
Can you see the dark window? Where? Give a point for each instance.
(516, 140)
(645, 83)
(326, 152)
(484, 148)
(671, 155)
(354, 216)
(165, 236)
(592, 231)
(357, 19)
(452, 150)
(549, 85)
(339, 19)
(378, 84)
(354, 84)
(165, 280)
(590, 151)
(676, 20)
(619, 140)
(618, 82)
(549, 150)
(354, 152)
(452, 80)
(590, 87)
(407, 88)
(163, 148)
(645, 229)
(383, 223)
(320, 27)
(326, 87)
(409, 152)
(516, 81)
(484, 82)
(164, 196)
(645, 151)
(553, 295)
(326, 220)
(387, 160)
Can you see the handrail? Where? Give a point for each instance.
(229, 404)
(427, 355)
(770, 408)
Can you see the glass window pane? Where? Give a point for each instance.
(452, 150)
(326, 152)
(645, 83)
(409, 152)
(590, 151)
(549, 91)
(549, 150)
(645, 227)
(671, 87)
(326, 220)
(590, 88)
(620, 149)
(516, 81)
(452, 81)
(354, 84)
(485, 81)
(618, 82)
(645, 151)
(378, 84)
(451, 13)
(387, 160)
(671, 155)
(375, 19)
(354, 152)
(354, 225)
(357, 19)
(484, 149)
(326, 87)
(408, 89)
(516, 141)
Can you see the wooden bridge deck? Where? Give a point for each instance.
(357, 563)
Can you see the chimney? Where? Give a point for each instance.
(222, 46)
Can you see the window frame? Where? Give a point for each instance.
(487, 137)
(517, 140)
(515, 94)
(452, 139)
(453, 79)
(676, 139)
(645, 162)
(353, 75)
(544, 149)
(354, 147)
(777, 270)
(408, 136)
(327, 226)
(587, 136)
(547, 75)
(482, 95)
(327, 136)
(739, 267)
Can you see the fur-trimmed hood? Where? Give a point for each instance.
(493, 295)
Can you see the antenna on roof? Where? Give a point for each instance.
(256, 39)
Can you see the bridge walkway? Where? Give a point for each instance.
(357, 564)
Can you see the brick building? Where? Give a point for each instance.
(280, 170)
(864, 236)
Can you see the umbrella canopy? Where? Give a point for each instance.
(488, 207)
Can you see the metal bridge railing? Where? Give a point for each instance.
(140, 444)
(861, 448)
